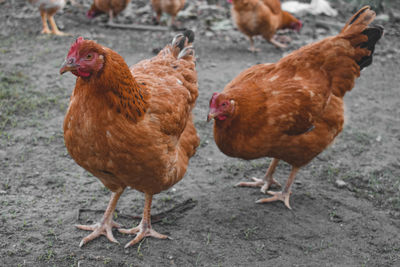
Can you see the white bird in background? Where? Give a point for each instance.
(316, 7)
(48, 9)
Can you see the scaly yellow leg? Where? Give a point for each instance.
(266, 182)
(144, 228)
(45, 29)
(104, 227)
(284, 194)
(54, 28)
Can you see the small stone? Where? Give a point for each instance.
(378, 138)
(340, 183)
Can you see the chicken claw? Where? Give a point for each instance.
(99, 229)
(144, 228)
(105, 226)
(283, 38)
(267, 181)
(264, 184)
(277, 44)
(285, 194)
(282, 196)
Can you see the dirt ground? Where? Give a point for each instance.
(43, 193)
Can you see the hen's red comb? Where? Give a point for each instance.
(74, 46)
(213, 100)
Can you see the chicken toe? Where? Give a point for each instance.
(277, 44)
(266, 182)
(285, 194)
(98, 230)
(105, 226)
(144, 229)
(283, 38)
(282, 196)
(54, 28)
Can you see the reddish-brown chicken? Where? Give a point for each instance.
(171, 7)
(293, 109)
(110, 7)
(48, 8)
(131, 127)
(265, 17)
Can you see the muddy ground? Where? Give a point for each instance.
(43, 193)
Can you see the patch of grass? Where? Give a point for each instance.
(47, 256)
(20, 102)
(139, 249)
(380, 186)
(208, 238)
(330, 172)
(249, 232)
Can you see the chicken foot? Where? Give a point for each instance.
(45, 29)
(266, 182)
(54, 28)
(252, 48)
(276, 43)
(284, 195)
(144, 229)
(110, 17)
(283, 38)
(104, 227)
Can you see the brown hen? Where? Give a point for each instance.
(262, 17)
(131, 127)
(171, 7)
(111, 7)
(293, 109)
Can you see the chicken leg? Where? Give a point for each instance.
(252, 48)
(276, 43)
(266, 182)
(104, 227)
(54, 28)
(144, 228)
(110, 17)
(45, 29)
(285, 193)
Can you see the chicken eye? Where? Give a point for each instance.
(224, 104)
(89, 56)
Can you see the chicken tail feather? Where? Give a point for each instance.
(362, 35)
(359, 21)
(181, 43)
(374, 33)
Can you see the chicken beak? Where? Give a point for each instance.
(68, 65)
(211, 116)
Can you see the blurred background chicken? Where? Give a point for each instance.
(48, 8)
(111, 7)
(293, 109)
(315, 7)
(171, 7)
(131, 126)
(262, 17)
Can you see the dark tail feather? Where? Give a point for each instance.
(374, 33)
(189, 35)
(182, 44)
